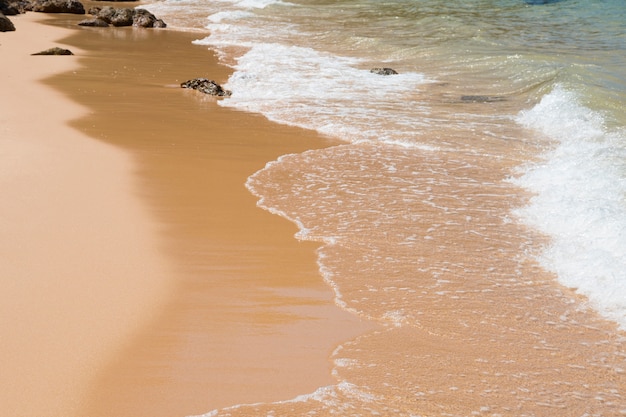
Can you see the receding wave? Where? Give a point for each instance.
(580, 189)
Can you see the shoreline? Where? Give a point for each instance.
(247, 316)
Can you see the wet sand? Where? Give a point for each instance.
(183, 295)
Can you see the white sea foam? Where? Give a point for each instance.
(257, 4)
(331, 397)
(247, 4)
(240, 9)
(323, 92)
(194, 14)
(580, 200)
(316, 90)
(230, 15)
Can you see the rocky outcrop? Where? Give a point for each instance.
(57, 6)
(55, 51)
(13, 7)
(105, 16)
(145, 19)
(206, 86)
(5, 24)
(9, 8)
(383, 71)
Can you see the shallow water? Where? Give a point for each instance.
(476, 205)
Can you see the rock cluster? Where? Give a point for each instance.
(105, 16)
(206, 86)
(383, 71)
(13, 7)
(57, 6)
(7, 9)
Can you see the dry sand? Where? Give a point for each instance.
(138, 276)
(80, 269)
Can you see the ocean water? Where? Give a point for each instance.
(474, 205)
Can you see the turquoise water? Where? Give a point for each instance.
(494, 162)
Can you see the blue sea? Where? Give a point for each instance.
(474, 204)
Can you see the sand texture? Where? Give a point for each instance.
(80, 267)
(139, 276)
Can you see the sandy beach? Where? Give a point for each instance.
(80, 267)
(139, 277)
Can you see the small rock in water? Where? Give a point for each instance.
(383, 71)
(55, 51)
(206, 86)
(482, 99)
(539, 2)
(97, 22)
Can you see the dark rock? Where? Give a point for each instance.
(383, 71)
(97, 22)
(12, 10)
(8, 8)
(111, 15)
(122, 17)
(104, 13)
(145, 19)
(5, 24)
(207, 87)
(159, 24)
(13, 7)
(57, 6)
(55, 51)
(482, 99)
(538, 2)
